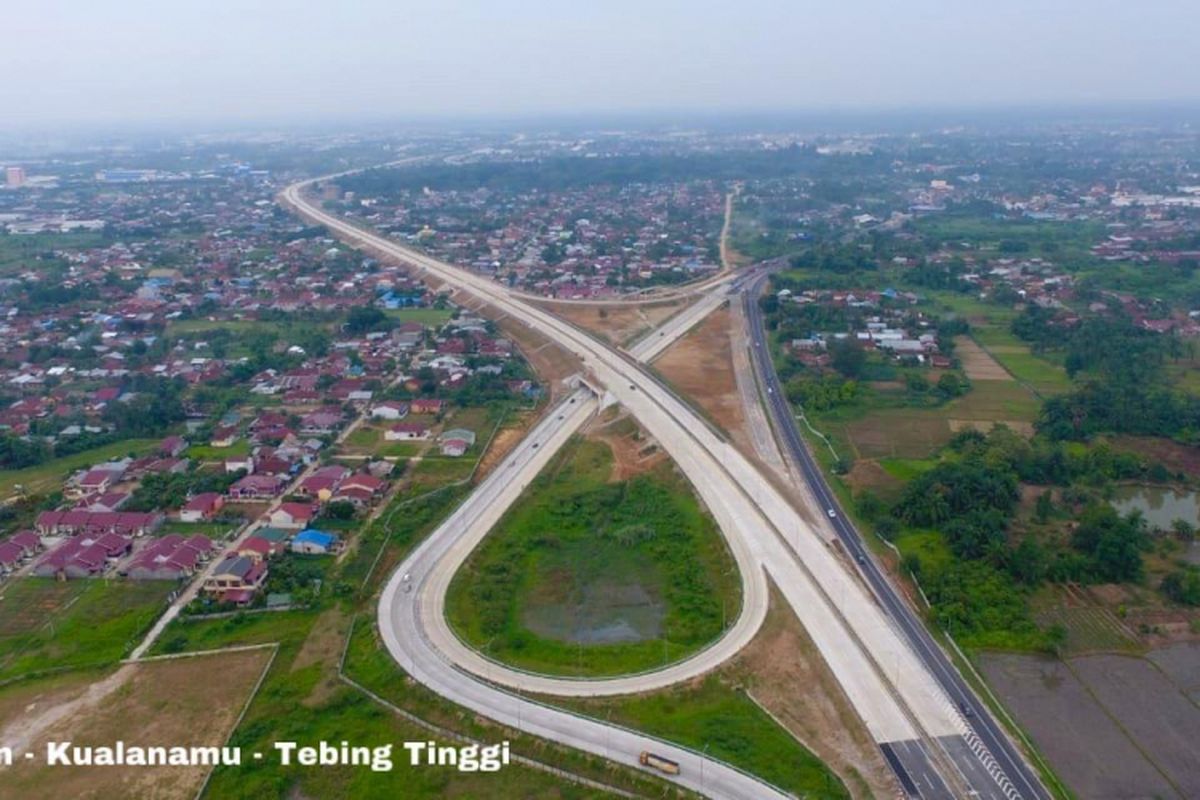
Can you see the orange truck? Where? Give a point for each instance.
(648, 759)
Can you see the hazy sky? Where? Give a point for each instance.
(163, 60)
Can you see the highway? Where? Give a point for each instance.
(897, 697)
(980, 719)
(409, 606)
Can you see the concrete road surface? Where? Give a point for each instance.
(889, 686)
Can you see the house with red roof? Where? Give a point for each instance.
(426, 405)
(83, 556)
(170, 558)
(292, 516)
(202, 507)
(251, 488)
(255, 548)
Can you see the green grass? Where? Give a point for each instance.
(363, 437)
(302, 700)
(715, 718)
(432, 472)
(49, 476)
(929, 546)
(906, 469)
(18, 251)
(98, 626)
(990, 327)
(369, 664)
(212, 530)
(368, 440)
(206, 452)
(573, 540)
(1042, 375)
(426, 316)
(240, 326)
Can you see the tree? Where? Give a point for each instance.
(1044, 506)
(1114, 543)
(1182, 586)
(365, 319)
(1183, 529)
(339, 509)
(950, 385)
(847, 357)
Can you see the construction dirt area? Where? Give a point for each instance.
(618, 325)
(782, 671)
(700, 366)
(633, 453)
(179, 701)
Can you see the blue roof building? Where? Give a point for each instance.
(314, 542)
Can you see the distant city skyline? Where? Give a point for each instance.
(72, 62)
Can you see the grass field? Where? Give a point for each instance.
(425, 316)
(18, 251)
(588, 577)
(88, 623)
(990, 328)
(906, 469)
(929, 546)
(49, 476)
(206, 452)
(213, 530)
(713, 717)
(368, 440)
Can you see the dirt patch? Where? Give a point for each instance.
(902, 433)
(700, 365)
(152, 703)
(785, 674)
(504, 441)
(633, 452)
(615, 324)
(868, 475)
(977, 362)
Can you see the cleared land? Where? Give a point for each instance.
(700, 365)
(586, 576)
(619, 325)
(152, 703)
(1113, 727)
(977, 362)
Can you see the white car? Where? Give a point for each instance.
(832, 513)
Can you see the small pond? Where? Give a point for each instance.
(1159, 506)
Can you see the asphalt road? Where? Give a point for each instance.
(1008, 760)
